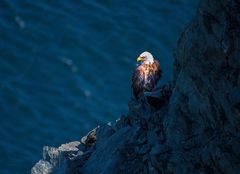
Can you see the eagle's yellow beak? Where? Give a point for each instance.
(140, 59)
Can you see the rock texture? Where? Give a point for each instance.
(188, 126)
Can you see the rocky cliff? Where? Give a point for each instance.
(188, 126)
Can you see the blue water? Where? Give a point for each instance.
(65, 66)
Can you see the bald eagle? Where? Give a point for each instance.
(146, 75)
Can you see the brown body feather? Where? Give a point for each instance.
(145, 78)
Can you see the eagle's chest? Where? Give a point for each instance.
(145, 76)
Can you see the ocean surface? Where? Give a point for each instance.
(66, 66)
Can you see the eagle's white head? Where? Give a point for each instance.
(145, 58)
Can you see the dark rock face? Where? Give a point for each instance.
(191, 126)
(203, 122)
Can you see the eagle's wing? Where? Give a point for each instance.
(157, 71)
(153, 76)
(138, 82)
